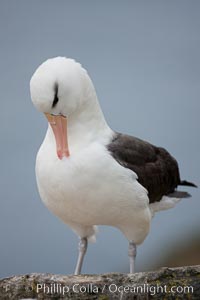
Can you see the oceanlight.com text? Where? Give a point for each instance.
(59, 289)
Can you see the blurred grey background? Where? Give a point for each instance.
(144, 60)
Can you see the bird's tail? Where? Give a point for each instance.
(179, 195)
(171, 199)
(187, 183)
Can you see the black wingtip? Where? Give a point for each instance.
(187, 183)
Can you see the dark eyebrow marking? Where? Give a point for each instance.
(56, 99)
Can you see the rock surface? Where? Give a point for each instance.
(167, 283)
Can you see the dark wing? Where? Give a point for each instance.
(156, 169)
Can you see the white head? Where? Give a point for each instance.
(60, 87)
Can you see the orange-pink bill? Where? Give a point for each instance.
(59, 126)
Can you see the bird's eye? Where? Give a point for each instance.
(56, 99)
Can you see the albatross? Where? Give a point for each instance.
(89, 175)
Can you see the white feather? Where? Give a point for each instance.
(163, 204)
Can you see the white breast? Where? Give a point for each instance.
(91, 188)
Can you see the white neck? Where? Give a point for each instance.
(88, 125)
(85, 126)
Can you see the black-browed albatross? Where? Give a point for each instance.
(89, 175)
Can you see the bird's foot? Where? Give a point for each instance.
(132, 251)
(82, 250)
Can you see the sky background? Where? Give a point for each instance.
(143, 57)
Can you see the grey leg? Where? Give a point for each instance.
(82, 250)
(132, 255)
